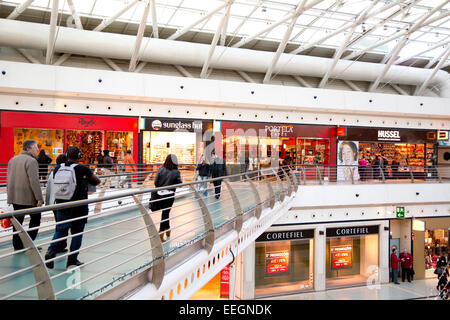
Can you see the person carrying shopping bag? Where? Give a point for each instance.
(204, 171)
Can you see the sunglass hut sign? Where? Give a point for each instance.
(164, 125)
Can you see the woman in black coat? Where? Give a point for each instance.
(43, 160)
(167, 175)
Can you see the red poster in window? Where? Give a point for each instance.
(277, 262)
(225, 282)
(341, 257)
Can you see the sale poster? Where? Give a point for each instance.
(341, 256)
(277, 263)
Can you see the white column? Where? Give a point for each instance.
(248, 273)
(384, 252)
(320, 249)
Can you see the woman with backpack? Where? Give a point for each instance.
(163, 200)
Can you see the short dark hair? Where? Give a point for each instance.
(28, 144)
(352, 145)
(129, 151)
(171, 162)
(73, 153)
(62, 158)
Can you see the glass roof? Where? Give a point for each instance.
(249, 17)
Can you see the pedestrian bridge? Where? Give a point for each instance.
(124, 257)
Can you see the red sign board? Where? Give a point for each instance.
(341, 131)
(277, 262)
(225, 282)
(341, 257)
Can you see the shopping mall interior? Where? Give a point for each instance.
(330, 118)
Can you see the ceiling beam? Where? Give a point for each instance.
(52, 32)
(154, 20)
(288, 17)
(139, 36)
(75, 15)
(112, 64)
(283, 42)
(302, 81)
(181, 32)
(223, 36)
(352, 86)
(203, 73)
(343, 47)
(422, 21)
(19, 9)
(420, 90)
(28, 56)
(342, 29)
(245, 76)
(106, 22)
(443, 43)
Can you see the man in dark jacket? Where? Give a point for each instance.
(84, 176)
(407, 260)
(219, 169)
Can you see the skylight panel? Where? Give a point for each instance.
(104, 8)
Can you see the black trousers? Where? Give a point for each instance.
(217, 187)
(35, 221)
(167, 205)
(406, 273)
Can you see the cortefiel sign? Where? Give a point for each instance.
(286, 235)
(352, 231)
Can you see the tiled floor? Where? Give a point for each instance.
(417, 289)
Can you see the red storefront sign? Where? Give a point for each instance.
(225, 282)
(11, 120)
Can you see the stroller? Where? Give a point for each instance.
(444, 287)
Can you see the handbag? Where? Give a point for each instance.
(154, 205)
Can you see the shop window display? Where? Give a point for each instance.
(89, 142)
(350, 260)
(118, 143)
(283, 267)
(157, 145)
(51, 141)
(436, 242)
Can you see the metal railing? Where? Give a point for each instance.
(357, 174)
(123, 243)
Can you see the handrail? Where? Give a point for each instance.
(195, 218)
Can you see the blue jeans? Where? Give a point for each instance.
(204, 184)
(62, 230)
(394, 275)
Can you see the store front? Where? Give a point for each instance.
(405, 150)
(284, 262)
(182, 137)
(430, 240)
(251, 146)
(56, 132)
(352, 254)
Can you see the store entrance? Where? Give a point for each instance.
(436, 243)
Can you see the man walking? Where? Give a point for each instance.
(83, 177)
(406, 259)
(219, 169)
(23, 188)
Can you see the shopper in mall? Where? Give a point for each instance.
(107, 162)
(50, 196)
(23, 188)
(44, 160)
(407, 270)
(130, 167)
(167, 175)
(394, 265)
(442, 264)
(83, 177)
(204, 171)
(218, 169)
